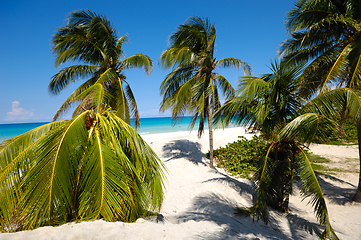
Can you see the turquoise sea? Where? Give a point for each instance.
(147, 126)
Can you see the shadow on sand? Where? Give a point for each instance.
(336, 194)
(183, 148)
(219, 209)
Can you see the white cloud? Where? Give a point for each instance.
(17, 113)
(148, 113)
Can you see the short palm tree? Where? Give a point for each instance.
(90, 167)
(328, 34)
(273, 105)
(192, 86)
(89, 38)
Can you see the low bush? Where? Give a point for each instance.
(241, 157)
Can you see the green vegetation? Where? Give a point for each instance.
(272, 104)
(90, 167)
(240, 158)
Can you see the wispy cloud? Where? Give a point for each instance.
(153, 113)
(17, 113)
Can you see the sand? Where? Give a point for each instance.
(199, 202)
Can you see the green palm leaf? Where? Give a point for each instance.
(138, 61)
(311, 187)
(48, 187)
(67, 75)
(225, 86)
(177, 55)
(15, 162)
(234, 62)
(308, 127)
(93, 166)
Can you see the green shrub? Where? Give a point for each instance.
(241, 157)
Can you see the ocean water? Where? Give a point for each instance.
(147, 126)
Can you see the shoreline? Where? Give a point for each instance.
(150, 126)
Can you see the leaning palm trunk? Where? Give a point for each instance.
(357, 197)
(210, 141)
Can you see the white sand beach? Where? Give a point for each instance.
(200, 203)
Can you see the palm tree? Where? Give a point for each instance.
(89, 38)
(192, 86)
(90, 167)
(328, 34)
(272, 104)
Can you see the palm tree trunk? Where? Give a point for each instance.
(357, 197)
(210, 142)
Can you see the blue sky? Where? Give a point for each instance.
(249, 30)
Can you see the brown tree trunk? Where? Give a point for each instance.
(210, 141)
(357, 197)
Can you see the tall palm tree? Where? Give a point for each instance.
(272, 104)
(90, 167)
(192, 86)
(90, 39)
(328, 34)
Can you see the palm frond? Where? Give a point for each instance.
(311, 188)
(264, 192)
(235, 62)
(138, 61)
(180, 55)
(308, 127)
(179, 99)
(68, 75)
(334, 72)
(354, 59)
(175, 79)
(15, 162)
(92, 166)
(121, 106)
(98, 97)
(251, 87)
(70, 101)
(330, 103)
(237, 111)
(47, 189)
(225, 86)
(133, 106)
